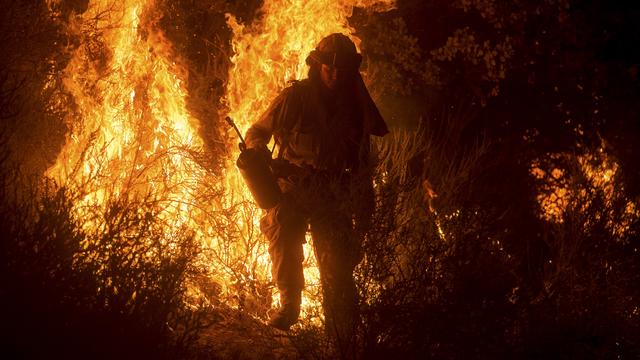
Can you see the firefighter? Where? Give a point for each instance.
(322, 126)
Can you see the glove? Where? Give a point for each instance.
(263, 152)
(247, 155)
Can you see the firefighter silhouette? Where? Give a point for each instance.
(322, 126)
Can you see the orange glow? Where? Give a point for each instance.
(601, 171)
(131, 128)
(132, 135)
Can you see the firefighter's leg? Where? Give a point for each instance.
(285, 228)
(337, 254)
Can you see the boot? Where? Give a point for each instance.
(289, 310)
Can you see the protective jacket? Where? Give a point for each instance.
(326, 138)
(318, 131)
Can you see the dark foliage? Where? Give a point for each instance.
(478, 271)
(66, 292)
(76, 294)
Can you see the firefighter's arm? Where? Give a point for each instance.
(257, 138)
(260, 132)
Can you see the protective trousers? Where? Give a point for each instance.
(336, 246)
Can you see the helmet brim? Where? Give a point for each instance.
(340, 60)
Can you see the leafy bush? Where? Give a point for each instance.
(71, 291)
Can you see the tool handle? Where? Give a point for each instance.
(243, 144)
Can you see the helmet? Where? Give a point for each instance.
(336, 50)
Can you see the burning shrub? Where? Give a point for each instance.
(119, 290)
(454, 270)
(586, 304)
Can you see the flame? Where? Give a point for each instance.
(600, 171)
(131, 133)
(132, 125)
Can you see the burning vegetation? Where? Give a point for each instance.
(506, 195)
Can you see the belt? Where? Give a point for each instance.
(286, 170)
